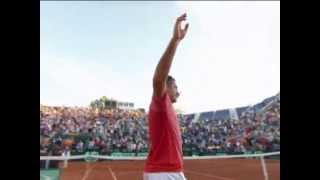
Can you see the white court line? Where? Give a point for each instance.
(113, 175)
(86, 173)
(208, 175)
(264, 168)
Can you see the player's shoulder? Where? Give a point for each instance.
(159, 104)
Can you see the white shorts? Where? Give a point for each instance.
(164, 176)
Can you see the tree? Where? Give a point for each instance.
(102, 103)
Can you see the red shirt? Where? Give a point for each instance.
(165, 153)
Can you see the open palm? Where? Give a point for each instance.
(179, 33)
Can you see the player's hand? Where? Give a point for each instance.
(179, 33)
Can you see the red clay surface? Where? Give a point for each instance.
(215, 169)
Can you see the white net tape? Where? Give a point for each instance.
(144, 158)
(261, 156)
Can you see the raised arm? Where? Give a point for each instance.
(163, 67)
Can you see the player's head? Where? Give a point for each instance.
(172, 89)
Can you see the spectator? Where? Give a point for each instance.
(113, 130)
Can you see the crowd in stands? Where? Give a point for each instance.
(253, 131)
(79, 130)
(83, 129)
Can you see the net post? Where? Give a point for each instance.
(47, 161)
(265, 172)
(66, 154)
(47, 164)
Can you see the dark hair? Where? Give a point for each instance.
(170, 79)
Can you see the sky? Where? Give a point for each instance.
(229, 58)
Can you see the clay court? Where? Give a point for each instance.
(211, 169)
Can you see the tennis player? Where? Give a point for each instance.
(165, 159)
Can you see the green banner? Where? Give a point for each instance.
(91, 159)
(118, 154)
(51, 174)
(258, 152)
(142, 154)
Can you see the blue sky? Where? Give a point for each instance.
(230, 56)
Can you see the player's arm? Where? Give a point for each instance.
(163, 67)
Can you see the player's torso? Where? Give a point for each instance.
(165, 152)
